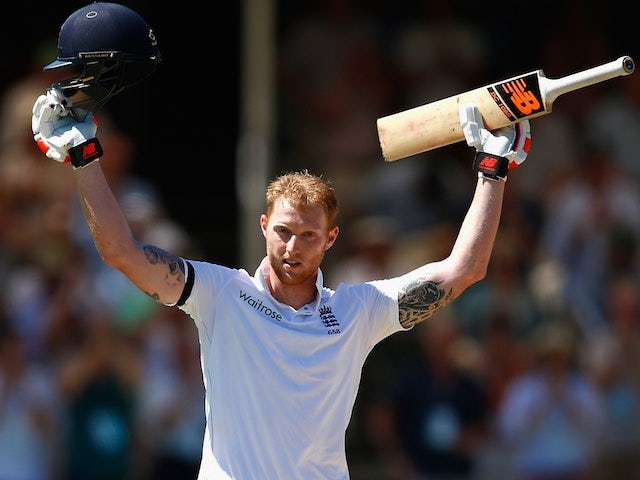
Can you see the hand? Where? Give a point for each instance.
(499, 151)
(47, 111)
(59, 135)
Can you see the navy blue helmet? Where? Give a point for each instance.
(103, 48)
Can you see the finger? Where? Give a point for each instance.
(58, 102)
(58, 96)
(41, 120)
(471, 124)
(37, 106)
(521, 144)
(38, 109)
(49, 150)
(523, 136)
(497, 142)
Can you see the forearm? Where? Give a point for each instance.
(106, 221)
(473, 246)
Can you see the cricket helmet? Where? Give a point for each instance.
(105, 48)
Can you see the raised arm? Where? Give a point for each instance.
(158, 273)
(61, 137)
(435, 285)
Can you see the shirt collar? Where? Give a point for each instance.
(260, 279)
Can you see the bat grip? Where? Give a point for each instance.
(620, 67)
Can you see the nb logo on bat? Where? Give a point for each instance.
(520, 96)
(524, 100)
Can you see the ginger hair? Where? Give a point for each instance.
(303, 190)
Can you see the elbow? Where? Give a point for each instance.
(112, 259)
(116, 255)
(479, 272)
(473, 272)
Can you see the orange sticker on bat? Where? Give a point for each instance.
(520, 96)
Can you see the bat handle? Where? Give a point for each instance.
(620, 67)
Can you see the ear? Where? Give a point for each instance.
(264, 221)
(331, 238)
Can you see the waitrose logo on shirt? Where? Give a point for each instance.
(257, 304)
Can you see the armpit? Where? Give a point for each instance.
(420, 299)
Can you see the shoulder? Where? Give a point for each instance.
(365, 293)
(213, 271)
(209, 280)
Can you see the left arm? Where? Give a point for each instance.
(433, 286)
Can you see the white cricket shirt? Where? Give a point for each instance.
(281, 383)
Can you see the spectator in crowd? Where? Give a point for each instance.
(171, 398)
(435, 416)
(29, 410)
(99, 386)
(612, 356)
(551, 417)
(583, 222)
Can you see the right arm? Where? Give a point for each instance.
(159, 274)
(66, 139)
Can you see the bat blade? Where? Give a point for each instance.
(436, 124)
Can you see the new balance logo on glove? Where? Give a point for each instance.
(491, 166)
(85, 153)
(488, 164)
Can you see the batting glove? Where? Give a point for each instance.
(499, 151)
(59, 135)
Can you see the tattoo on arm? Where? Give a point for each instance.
(175, 271)
(421, 299)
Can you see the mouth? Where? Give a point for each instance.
(291, 263)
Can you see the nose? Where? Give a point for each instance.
(292, 244)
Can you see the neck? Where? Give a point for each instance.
(296, 296)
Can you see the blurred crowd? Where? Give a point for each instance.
(530, 375)
(97, 380)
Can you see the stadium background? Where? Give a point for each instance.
(191, 119)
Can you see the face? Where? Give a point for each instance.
(296, 241)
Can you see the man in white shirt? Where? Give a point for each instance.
(281, 354)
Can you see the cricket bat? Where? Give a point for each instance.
(526, 96)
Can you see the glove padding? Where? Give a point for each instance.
(499, 151)
(59, 135)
